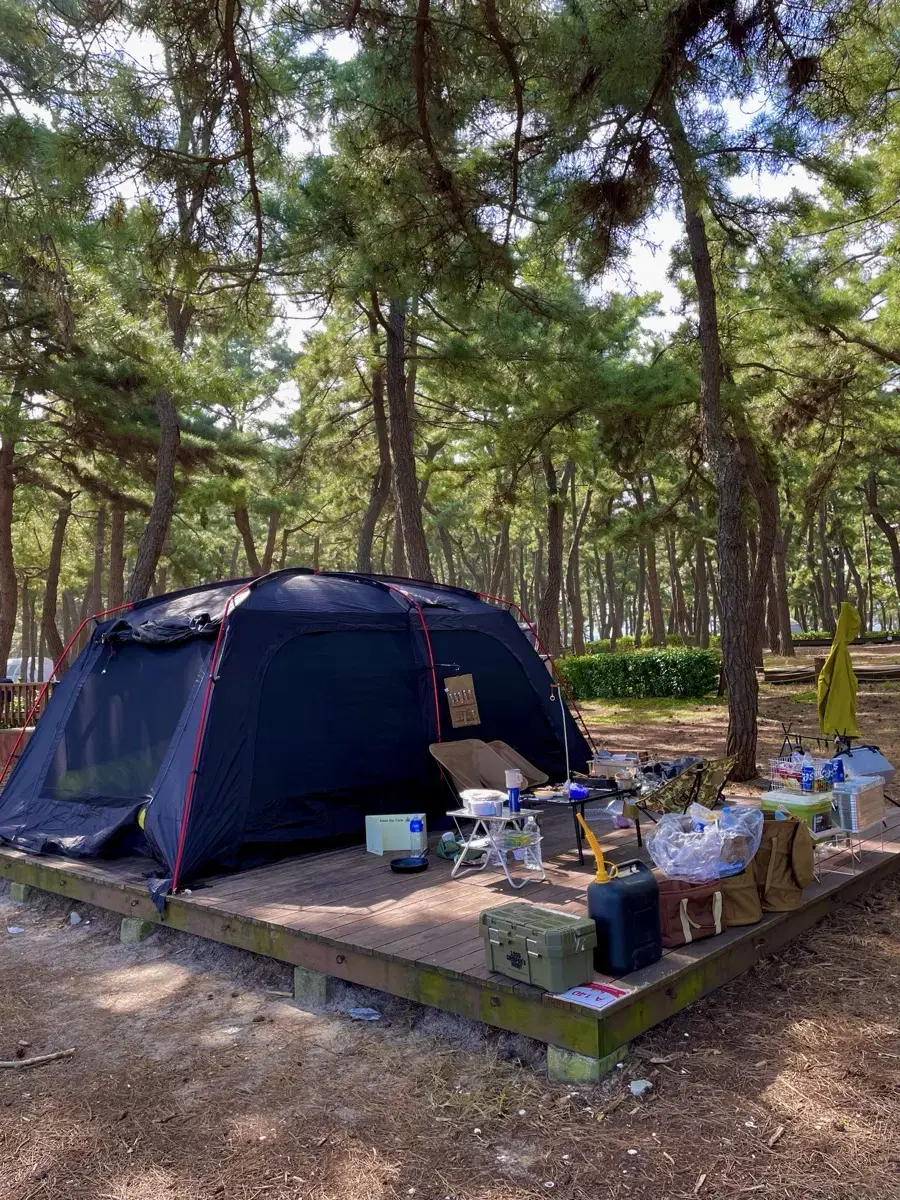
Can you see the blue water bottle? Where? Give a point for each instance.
(513, 784)
(418, 846)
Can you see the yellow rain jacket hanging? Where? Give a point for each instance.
(837, 683)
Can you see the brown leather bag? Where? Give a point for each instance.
(784, 864)
(689, 911)
(741, 898)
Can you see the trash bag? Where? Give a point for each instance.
(702, 845)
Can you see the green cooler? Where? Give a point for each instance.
(550, 949)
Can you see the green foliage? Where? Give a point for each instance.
(642, 674)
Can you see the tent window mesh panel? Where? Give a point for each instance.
(122, 722)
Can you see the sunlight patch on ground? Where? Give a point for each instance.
(134, 989)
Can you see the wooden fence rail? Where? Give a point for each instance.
(16, 700)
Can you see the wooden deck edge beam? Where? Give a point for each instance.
(524, 1010)
(516, 1012)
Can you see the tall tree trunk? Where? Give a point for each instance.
(701, 595)
(9, 592)
(870, 594)
(446, 542)
(271, 538)
(828, 606)
(538, 590)
(406, 486)
(601, 601)
(52, 640)
(25, 643)
(779, 571)
(765, 491)
(116, 556)
(523, 579)
(679, 608)
(242, 521)
(156, 530)
(723, 453)
(548, 609)
(32, 674)
(70, 617)
(399, 565)
(573, 571)
(93, 597)
(859, 588)
(614, 623)
(380, 491)
(500, 572)
(871, 494)
(773, 633)
(654, 598)
(233, 565)
(641, 595)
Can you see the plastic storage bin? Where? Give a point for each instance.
(550, 949)
(811, 807)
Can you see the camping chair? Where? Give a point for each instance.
(712, 779)
(472, 763)
(512, 758)
(675, 796)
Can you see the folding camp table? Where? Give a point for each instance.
(488, 834)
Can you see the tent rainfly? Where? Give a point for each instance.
(225, 724)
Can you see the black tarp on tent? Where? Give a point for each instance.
(251, 717)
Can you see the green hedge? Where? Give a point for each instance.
(642, 674)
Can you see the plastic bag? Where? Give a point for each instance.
(702, 845)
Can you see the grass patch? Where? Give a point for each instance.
(808, 697)
(649, 712)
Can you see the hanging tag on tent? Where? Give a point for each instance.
(460, 691)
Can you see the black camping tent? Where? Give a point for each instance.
(244, 718)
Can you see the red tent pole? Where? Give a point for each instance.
(201, 728)
(418, 607)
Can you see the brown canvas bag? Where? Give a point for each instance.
(689, 911)
(741, 898)
(784, 864)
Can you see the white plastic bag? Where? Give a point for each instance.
(702, 845)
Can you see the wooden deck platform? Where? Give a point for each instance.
(345, 914)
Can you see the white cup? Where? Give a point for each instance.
(514, 778)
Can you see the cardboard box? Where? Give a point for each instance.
(388, 833)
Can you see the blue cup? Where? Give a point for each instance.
(512, 795)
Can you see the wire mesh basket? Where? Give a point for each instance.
(787, 773)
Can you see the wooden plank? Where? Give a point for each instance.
(423, 934)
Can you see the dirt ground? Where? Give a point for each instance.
(195, 1078)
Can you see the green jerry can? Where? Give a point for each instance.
(550, 949)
